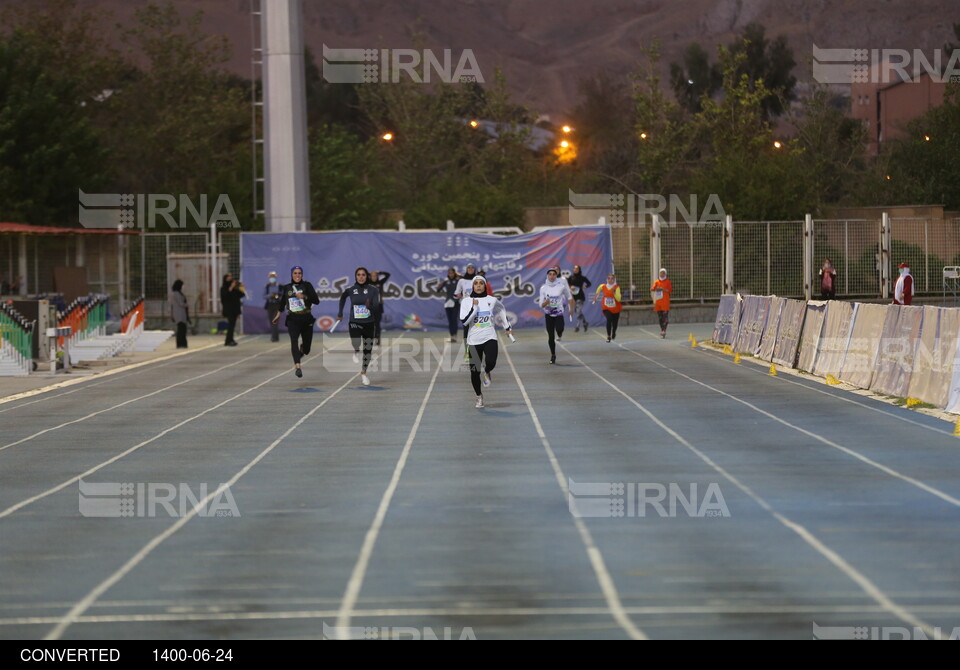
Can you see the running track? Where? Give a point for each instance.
(400, 507)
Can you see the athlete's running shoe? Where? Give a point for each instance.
(486, 378)
(298, 372)
(479, 404)
(364, 379)
(553, 359)
(356, 357)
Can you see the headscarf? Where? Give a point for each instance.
(355, 275)
(556, 280)
(473, 292)
(177, 285)
(470, 275)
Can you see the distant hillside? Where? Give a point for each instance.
(545, 46)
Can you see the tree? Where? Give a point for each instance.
(343, 193)
(694, 79)
(182, 124)
(834, 150)
(662, 131)
(740, 163)
(48, 146)
(770, 62)
(605, 131)
(924, 165)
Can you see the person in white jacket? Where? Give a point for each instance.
(554, 294)
(478, 313)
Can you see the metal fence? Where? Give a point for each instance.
(767, 259)
(104, 256)
(768, 256)
(158, 259)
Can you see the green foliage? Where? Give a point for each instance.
(738, 159)
(663, 132)
(833, 150)
(925, 170)
(185, 122)
(54, 67)
(695, 79)
(342, 192)
(766, 63)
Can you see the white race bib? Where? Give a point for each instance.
(574, 290)
(296, 304)
(658, 295)
(449, 303)
(483, 320)
(610, 302)
(554, 302)
(361, 312)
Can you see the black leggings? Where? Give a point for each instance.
(377, 318)
(453, 318)
(363, 333)
(664, 317)
(231, 326)
(612, 321)
(478, 352)
(298, 329)
(554, 324)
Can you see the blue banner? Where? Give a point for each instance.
(515, 266)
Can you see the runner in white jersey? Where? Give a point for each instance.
(553, 295)
(479, 312)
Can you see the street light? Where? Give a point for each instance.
(387, 137)
(643, 136)
(777, 145)
(567, 129)
(474, 124)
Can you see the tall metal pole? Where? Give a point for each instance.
(287, 189)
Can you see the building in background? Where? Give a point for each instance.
(888, 100)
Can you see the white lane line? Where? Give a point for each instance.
(607, 585)
(83, 605)
(77, 390)
(707, 610)
(850, 452)
(838, 396)
(127, 402)
(355, 583)
(838, 561)
(101, 375)
(73, 480)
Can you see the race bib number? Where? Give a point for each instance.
(610, 302)
(575, 290)
(296, 304)
(361, 312)
(658, 295)
(554, 302)
(483, 320)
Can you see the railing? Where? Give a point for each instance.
(16, 337)
(86, 317)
